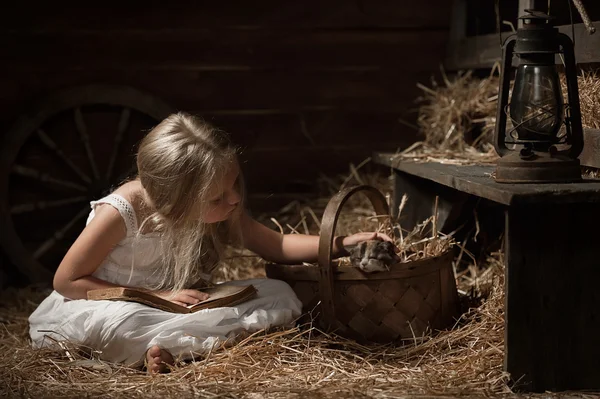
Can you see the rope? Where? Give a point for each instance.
(584, 16)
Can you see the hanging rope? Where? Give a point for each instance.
(584, 16)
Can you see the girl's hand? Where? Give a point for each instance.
(360, 237)
(183, 297)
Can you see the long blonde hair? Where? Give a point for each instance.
(179, 162)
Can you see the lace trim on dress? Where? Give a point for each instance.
(125, 209)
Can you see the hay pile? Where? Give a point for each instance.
(589, 97)
(461, 114)
(299, 362)
(457, 119)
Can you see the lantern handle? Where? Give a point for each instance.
(500, 130)
(574, 116)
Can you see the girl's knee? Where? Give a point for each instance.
(277, 293)
(268, 286)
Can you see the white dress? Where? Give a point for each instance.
(124, 331)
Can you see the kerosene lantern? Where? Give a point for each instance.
(540, 152)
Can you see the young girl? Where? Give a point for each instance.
(165, 231)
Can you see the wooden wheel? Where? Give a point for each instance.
(69, 149)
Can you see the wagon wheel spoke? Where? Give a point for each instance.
(59, 234)
(85, 138)
(57, 157)
(45, 177)
(40, 205)
(54, 147)
(121, 129)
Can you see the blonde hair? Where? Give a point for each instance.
(179, 163)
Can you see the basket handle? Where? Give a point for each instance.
(328, 225)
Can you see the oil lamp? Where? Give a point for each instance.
(540, 151)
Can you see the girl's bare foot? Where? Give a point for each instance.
(157, 360)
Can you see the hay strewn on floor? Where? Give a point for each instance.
(290, 363)
(298, 362)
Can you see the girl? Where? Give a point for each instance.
(165, 231)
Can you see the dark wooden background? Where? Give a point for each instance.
(306, 87)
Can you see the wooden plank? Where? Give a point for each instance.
(420, 205)
(297, 169)
(157, 14)
(258, 131)
(477, 180)
(590, 156)
(552, 274)
(224, 50)
(483, 51)
(259, 203)
(377, 130)
(458, 25)
(474, 180)
(221, 90)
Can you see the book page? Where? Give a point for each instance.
(226, 293)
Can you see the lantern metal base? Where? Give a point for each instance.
(539, 167)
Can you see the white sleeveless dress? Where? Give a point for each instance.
(123, 331)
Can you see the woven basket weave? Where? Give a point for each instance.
(382, 307)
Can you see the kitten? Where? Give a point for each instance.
(373, 256)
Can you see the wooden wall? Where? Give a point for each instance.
(306, 86)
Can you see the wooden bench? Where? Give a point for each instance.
(552, 255)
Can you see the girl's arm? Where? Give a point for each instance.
(73, 277)
(294, 248)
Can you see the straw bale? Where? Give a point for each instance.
(457, 119)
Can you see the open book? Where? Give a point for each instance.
(220, 296)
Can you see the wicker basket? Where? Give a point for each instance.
(382, 307)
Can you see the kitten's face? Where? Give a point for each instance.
(373, 256)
